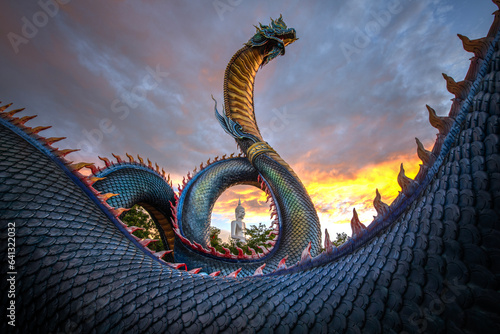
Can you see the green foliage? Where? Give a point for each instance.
(256, 236)
(341, 238)
(137, 216)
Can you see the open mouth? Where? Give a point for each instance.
(289, 37)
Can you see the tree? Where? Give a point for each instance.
(256, 236)
(341, 238)
(139, 217)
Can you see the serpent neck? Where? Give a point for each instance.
(239, 81)
(238, 88)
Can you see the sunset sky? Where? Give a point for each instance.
(342, 107)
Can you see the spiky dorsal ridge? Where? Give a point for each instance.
(119, 161)
(72, 169)
(381, 208)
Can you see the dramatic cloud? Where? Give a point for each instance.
(343, 106)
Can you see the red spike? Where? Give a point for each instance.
(215, 273)
(212, 250)
(234, 273)
(264, 250)
(173, 208)
(271, 242)
(240, 252)
(194, 271)
(224, 157)
(259, 271)
(12, 112)
(37, 130)
(118, 158)
(22, 120)
(2, 108)
(208, 161)
(232, 155)
(90, 180)
(306, 253)
(254, 253)
(106, 196)
(93, 168)
(146, 242)
(356, 226)
(80, 165)
(52, 140)
(63, 153)
(227, 252)
(282, 263)
(130, 158)
(201, 166)
(199, 247)
(118, 211)
(216, 158)
(162, 253)
(132, 229)
(177, 265)
(328, 243)
(106, 161)
(275, 232)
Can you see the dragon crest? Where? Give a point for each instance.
(277, 33)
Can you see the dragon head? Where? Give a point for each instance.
(277, 35)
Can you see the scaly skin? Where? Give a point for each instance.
(429, 263)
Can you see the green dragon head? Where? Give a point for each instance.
(277, 34)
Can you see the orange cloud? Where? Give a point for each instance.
(333, 194)
(336, 196)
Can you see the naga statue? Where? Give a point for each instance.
(429, 262)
